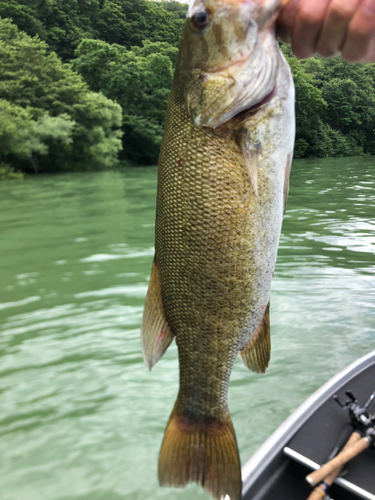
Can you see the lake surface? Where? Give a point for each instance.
(81, 417)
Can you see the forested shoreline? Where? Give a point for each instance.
(84, 85)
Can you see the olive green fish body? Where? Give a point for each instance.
(216, 245)
(220, 203)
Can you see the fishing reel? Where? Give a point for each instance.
(360, 416)
(370, 436)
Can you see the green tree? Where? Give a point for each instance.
(335, 106)
(177, 8)
(63, 24)
(309, 108)
(126, 51)
(139, 80)
(348, 90)
(22, 136)
(112, 26)
(65, 124)
(24, 16)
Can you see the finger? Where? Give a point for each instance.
(308, 24)
(286, 19)
(360, 32)
(335, 27)
(370, 55)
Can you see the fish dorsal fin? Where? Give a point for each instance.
(286, 180)
(251, 154)
(155, 332)
(256, 355)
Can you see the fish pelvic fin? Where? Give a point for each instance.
(256, 355)
(251, 155)
(201, 452)
(155, 332)
(286, 181)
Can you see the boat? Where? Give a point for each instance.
(311, 436)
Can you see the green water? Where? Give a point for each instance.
(80, 415)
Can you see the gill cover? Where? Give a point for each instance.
(231, 57)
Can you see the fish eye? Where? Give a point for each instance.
(201, 19)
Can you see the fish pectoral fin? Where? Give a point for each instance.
(155, 332)
(256, 355)
(251, 154)
(286, 180)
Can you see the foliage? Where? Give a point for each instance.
(309, 107)
(349, 91)
(22, 136)
(63, 24)
(335, 106)
(176, 7)
(48, 111)
(139, 80)
(334, 113)
(7, 172)
(122, 54)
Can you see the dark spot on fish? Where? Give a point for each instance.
(205, 425)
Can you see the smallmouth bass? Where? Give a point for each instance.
(222, 187)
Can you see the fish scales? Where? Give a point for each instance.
(222, 186)
(205, 264)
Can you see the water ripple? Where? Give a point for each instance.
(81, 417)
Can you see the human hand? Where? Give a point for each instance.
(329, 27)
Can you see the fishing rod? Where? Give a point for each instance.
(359, 440)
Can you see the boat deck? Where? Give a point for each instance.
(331, 422)
(283, 479)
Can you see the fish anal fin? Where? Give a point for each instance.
(256, 355)
(155, 332)
(201, 452)
(251, 154)
(286, 180)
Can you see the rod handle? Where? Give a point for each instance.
(339, 461)
(320, 491)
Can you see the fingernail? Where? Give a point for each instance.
(368, 7)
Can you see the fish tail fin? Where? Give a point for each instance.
(201, 452)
